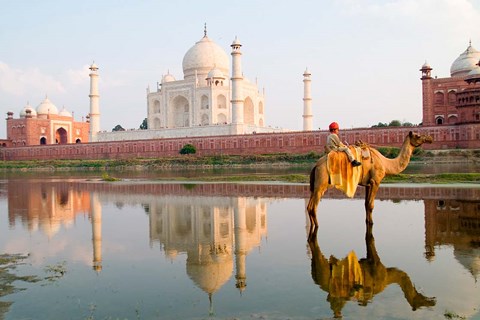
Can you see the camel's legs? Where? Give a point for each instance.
(370, 193)
(315, 197)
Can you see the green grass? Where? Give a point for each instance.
(444, 178)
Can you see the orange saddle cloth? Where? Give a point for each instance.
(342, 175)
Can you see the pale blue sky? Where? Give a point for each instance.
(364, 55)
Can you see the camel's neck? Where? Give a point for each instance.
(397, 165)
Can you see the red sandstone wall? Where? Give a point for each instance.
(445, 137)
(444, 107)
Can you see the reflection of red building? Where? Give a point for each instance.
(48, 206)
(45, 125)
(453, 100)
(456, 223)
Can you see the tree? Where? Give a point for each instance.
(188, 149)
(118, 128)
(395, 123)
(380, 125)
(144, 125)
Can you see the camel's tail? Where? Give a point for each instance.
(312, 179)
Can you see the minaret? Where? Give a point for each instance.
(237, 78)
(96, 212)
(94, 103)
(307, 102)
(240, 229)
(427, 100)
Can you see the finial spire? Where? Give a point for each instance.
(470, 42)
(205, 30)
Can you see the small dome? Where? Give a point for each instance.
(23, 113)
(64, 113)
(426, 66)
(203, 57)
(168, 78)
(46, 107)
(215, 74)
(465, 63)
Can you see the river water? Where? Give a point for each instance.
(141, 249)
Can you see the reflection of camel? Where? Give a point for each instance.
(373, 169)
(360, 280)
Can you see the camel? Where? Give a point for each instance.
(373, 170)
(360, 279)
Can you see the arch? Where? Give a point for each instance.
(181, 108)
(439, 99)
(221, 102)
(204, 121)
(452, 119)
(157, 123)
(248, 111)
(222, 118)
(452, 97)
(61, 136)
(78, 141)
(260, 107)
(43, 140)
(204, 102)
(156, 106)
(439, 120)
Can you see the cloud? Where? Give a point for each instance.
(458, 16)
(19, 82)
(79, 76)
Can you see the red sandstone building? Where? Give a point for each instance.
(453, 100)
(451, 115)
(44, 125)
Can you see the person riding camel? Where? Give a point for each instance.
(334, 143)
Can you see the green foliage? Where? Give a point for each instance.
(395, 123)
(188, 149)
(452, 315)
(107, 177)
(144, 125)
(380, 125)
(118, 128)
(389, 152)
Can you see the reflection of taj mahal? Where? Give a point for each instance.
(214, 232)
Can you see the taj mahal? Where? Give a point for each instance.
(214, 100)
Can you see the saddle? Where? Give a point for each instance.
(365, 149)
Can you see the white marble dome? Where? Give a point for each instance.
(23, 113)
(465, 63)
(168, 78)
(64, 113)
(215, 73)
(46, 107)
(204, 56)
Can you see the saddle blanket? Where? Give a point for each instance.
(342, 175)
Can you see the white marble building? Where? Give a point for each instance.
(210, 100)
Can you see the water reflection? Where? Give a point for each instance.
(454, 222)
(213, 232)
(216, 226)
(360, 280)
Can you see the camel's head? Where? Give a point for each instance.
(417, 140)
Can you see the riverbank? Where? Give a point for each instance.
(224, 161)
(286, 168)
